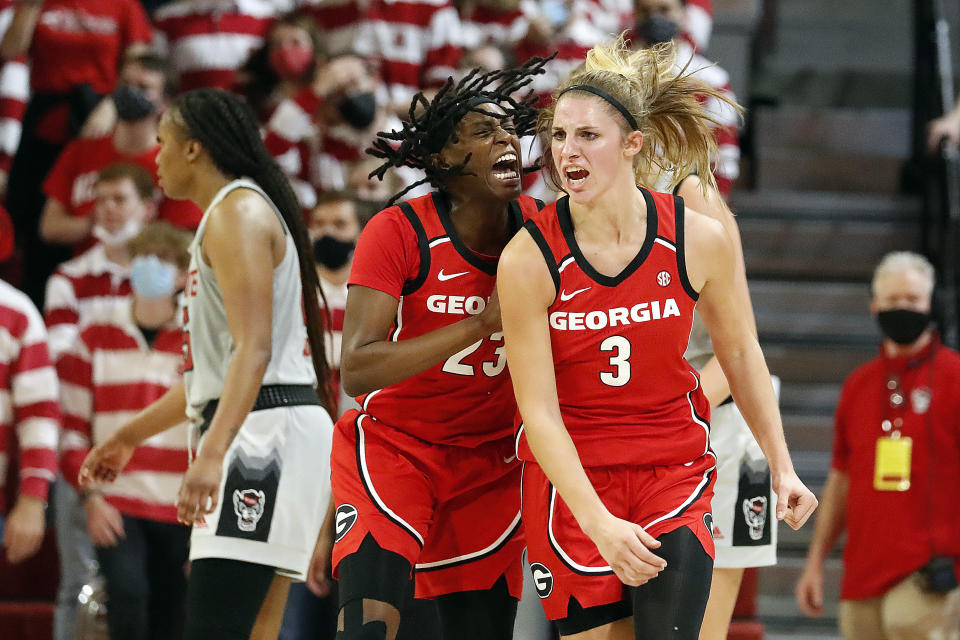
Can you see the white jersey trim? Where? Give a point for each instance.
(563, 554)
(368, 481)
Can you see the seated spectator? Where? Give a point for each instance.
(894, 482)
(73, 46)
(120, 363)
(207, 41)
(327, 125)
(98, 281)
(30, 410)
(146, 87)
(500, 23)
(665, 20)
(338, 21)
(372, 194)
(564, 27)
(417, 43)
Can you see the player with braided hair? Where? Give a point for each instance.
(424, 475)
(255, 380)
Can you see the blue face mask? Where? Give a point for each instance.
(152, 277)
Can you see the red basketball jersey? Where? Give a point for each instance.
(467, 399)
(627, 396)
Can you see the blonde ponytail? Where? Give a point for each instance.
(665, 103)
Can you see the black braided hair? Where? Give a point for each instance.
(431, 123)
(227, 128)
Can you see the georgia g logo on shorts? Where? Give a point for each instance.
(542, 579)
(344, 520)
(248, 505)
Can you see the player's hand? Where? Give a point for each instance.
(318, 575)
(809, 590)
(104, 522)
(23, 532)
(105, 461)
(490, 316)
(199, 489)
(795, 503)
(945, 128)
(626, 548)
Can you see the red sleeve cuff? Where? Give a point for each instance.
(35, 487)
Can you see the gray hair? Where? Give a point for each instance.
(899, 261)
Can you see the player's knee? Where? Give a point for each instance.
(355, 628)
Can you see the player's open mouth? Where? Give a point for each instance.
(507, 167)
(576, 175)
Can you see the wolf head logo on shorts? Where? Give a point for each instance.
(345, 518)
(542, 579)
(755, 514)
(248, 505)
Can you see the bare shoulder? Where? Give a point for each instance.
(703, 199)
(244, 210)
(706, 246)
(523, 269)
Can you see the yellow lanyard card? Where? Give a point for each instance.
(892, 469)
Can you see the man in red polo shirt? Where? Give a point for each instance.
(146, 84)
(894, 485)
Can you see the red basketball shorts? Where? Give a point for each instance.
(452, 512)
(565, 562)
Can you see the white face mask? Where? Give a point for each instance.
(121, 236)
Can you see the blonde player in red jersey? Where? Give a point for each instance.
(601, 290)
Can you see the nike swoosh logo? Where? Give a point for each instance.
(507, 460)
(443, 277)
(564, 296)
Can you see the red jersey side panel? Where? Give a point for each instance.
(626, 394)
(467, 399)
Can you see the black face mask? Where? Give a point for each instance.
(657, 29)
(332, 253)
(132, 103)
(359, 109)
(903, 326)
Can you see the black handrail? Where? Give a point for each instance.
(940, 174)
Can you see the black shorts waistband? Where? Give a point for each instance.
(270, 396)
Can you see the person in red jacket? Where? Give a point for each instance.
(894, 482)
(598, 294)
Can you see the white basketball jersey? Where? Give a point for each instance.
(208, 345)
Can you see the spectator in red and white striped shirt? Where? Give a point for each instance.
(417, 42)
(29, 408)
(97, 282)
(118, 364)
(663, 20)
(338, 20)
(14, 92)
(500, 23)
(208, 40)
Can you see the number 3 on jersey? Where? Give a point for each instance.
(455, 365)
(620, 360)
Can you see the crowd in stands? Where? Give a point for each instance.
(88, 239)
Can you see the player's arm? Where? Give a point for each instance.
(370, 360)
(712, 380)
(243, 243)
(59, 227)
(526, 291)
(711, 267)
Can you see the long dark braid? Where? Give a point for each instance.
(431, 123)
(226, 127)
